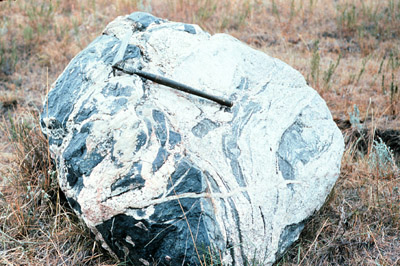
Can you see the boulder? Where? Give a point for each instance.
(163, 176)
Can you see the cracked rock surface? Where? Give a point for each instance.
(152, 170)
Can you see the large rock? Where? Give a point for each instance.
(132, 154)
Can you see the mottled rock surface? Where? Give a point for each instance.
(131, 153)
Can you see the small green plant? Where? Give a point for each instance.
(381, 160)
(275, 10)
(355, 118)
(28, 34)
(30, 147)
(206, 10)
(393, 63)
(329, 73)
(315, 61)
(362, 70)
(311, 6)
(211, 256)
(379, 20)
(8, 56)
(238, 16)
(394, 94)
(347, 18)
(383, 85)
(40, 16)
(355, 78)
(292, 10)
(242, 14)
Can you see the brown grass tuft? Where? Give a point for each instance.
(37, 227)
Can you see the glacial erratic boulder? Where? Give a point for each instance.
(161, 175)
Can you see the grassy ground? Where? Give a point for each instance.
(348, 50)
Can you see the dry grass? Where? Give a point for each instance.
(348, 50)
(37, 227)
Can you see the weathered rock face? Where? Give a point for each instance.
(132, 154)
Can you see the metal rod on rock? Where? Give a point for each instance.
(175, 85)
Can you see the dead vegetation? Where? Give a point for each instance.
(348, 50)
